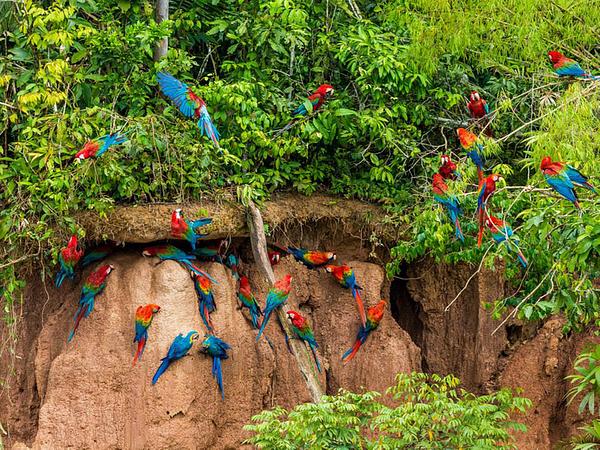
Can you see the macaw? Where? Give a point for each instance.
(480, 110)
(248, 300)
(211, 252)
(217, 348)
(179, 348)
(189, 104)
(277, 296)
(93, 286)
(274, 257)
(170, 252)
(487, 187)
(143, 320)
(304, 332)
(186, 229)
(566, 67)
(448, 169)
(448, 201)
(503, 233)
(233, 263)
(474, 148)
(345, 277)
(320, 96)
(68, 258)
(206, 298)
(374, 316)
(98, 254)
(311, 259)
(97, 147)
(563, 178)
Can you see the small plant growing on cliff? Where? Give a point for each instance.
(433, 412)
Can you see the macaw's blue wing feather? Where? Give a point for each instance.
(177, 92)
(578, 178)
(486, 107)
(563, 186)
(161, 369)
(301, 109)
(476, 158)
(572, 69)
(201, 222)
(207, 127)
(216, 371)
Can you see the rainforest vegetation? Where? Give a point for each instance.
(72, 70)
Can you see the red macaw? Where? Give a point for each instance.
(304, 332)
(474, 148)
(277, 296)
(206, 299)
(248, 300)
(274, 257)
(143, 320)
(97, 254)
(345, 277)
(563, 178)
(480, 110)
(97, 147)
(189, 104)
(487, 187)
(186, 229)
(503, 233)
(450, 202)
(170, 252)
(566, 67)
(68, 259)
(317, 99)
(374, 316)
(310, 258)
(448, 169)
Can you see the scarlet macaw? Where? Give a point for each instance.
(277, 296)
(206, 299)
(487, 187)
(474, 148)
(503, 233)
(480, 110)
(304, 332)
(311, 259)
(345, 277)
(68, 258)
(170, 252)
(186, 229)
(566, 67)
(317, 99)
(563, 178)
(450, 202)
(97, 147)
(448, 169)
(374, 316)
(143, 320)
(248, 300)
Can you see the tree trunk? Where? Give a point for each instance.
(162, 13)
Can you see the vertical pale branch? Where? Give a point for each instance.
(261, 257)
(161, 13)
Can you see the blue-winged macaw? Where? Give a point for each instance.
(179, 348)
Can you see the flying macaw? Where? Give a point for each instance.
(503, 233)
(448, 201)
(233, 263)
(320, 96)
(563, 178)
(474, 148)
(186, 229)
(345, 277)
(487, 187)
(189, 104)
(143, 319)
(179, 348)
(274, 257)
(303, 331)
(217, 348)
(98, 254)
(93, 286)
(68, 258)
(248, 300)
(311, 259)
(374, 316)
(566, 67)
(211, 252)
(277, 296)
(97, 147)
(206, 299)
(170, 252)
(480, 110)
(448, 169)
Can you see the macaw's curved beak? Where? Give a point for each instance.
(146, 253)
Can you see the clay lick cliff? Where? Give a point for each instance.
(86, 394)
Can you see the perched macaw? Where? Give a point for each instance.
(186, 229)
(474, 148)
(563, 178)
(345, 277)
(189, 104)
(448, 169)
(274, 257)
(211, 252)
(206, 299)
(217, 348)
(317, 99)
(233, 263)
(448, 201)
(179, 348)
(93, 286)
(480, 110)
(277, 296)
(143, 319)
(311, 259)
(170, 252)
(248, 300)
(68, 259)
(487, 187)
(374, 316)
(97, 147)
(503, 233)
(98, 254)
(303, 331)
(566, 67)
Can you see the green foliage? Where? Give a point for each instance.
(586, 380)
(431, 412)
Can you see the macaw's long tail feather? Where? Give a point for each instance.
(352, 351)
(207, 127)
(314, 352)
(197, 270)
(360, 305)
(289, 125)
(255, 315)
(522, 258)
(78, 316)
(589, 186)
(216, 371)
(479, 174)
(263, 325)
(480, 220)
(60, 277)
(577, 205)
(205, 314)
(140, 350)
(458, 230)
(161, 369)
(201, 222)
(115, 138)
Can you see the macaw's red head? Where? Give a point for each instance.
(445, 159)
(151, 251)
(155, 308)
(495, 177)
(177, 213)
(555, 56)
(72, 242)
(105, 270)
(330, 256)
(546, 163)
(378, 310)
(325, 90)
(493, 222)
(89, 149)
(475, 97)
(294, 317)
(274, 257)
